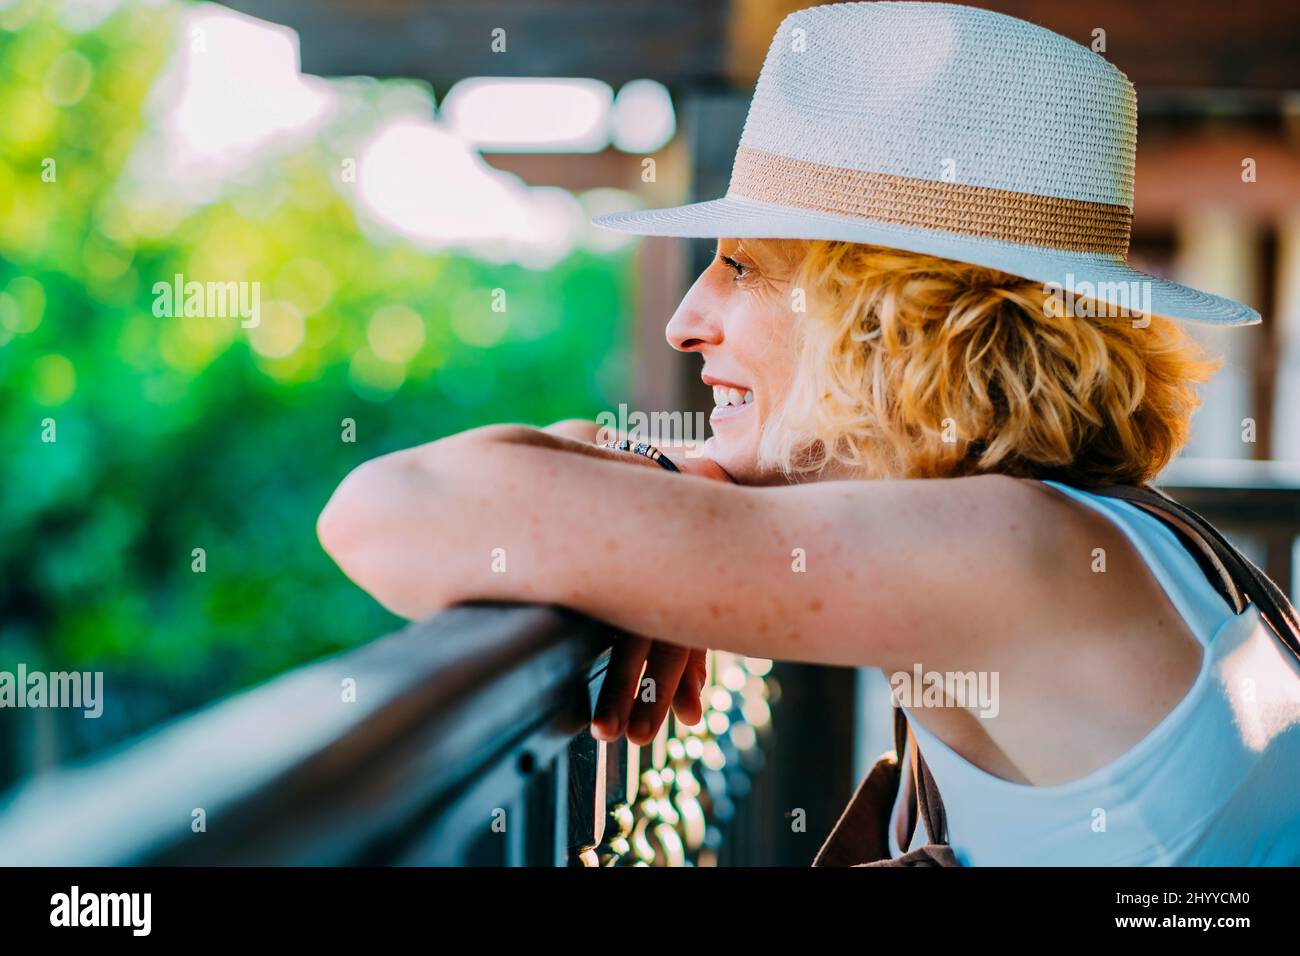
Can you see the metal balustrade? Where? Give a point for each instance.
(463, 740)
(459, 740)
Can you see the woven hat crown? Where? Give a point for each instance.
(945, 117)
(945, 131)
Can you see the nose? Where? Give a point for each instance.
(693, 325)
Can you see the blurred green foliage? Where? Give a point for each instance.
(175, 434)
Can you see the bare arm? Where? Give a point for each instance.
(854, 573)
(677, 673)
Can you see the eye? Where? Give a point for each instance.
(731, 263)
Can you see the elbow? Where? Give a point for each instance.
(342, 525)
(387, 522)
(362, 529)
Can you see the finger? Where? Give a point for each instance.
(621, 681)
(664, 667)
(686, 702)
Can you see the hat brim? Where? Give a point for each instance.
(740, 218)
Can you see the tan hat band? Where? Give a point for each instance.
(1072, 225)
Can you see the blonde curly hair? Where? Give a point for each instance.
(912, 366)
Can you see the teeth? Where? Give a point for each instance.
(725, 395)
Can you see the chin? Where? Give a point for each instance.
(740, 462)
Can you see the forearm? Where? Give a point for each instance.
(491, 513)
(839, 572)
(516, 514)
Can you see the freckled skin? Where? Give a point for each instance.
(953, 574)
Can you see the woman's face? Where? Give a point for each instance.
(738, 317)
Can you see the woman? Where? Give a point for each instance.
(915, 384)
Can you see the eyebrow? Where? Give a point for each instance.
(773, 263)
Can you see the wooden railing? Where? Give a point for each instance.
(460, 740)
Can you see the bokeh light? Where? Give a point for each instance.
(642, 119)
(535, 115)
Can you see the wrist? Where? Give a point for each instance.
(644, 450)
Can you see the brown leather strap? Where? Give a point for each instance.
(1207, 555)
(862, 832)
(921, 799)
(932, 854)
(906, 783)
(1240, 577)
(929, 803)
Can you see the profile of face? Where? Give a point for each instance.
(738, 317)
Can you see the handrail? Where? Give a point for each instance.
(1257, 499)
(1235, 474)
(458, 723)
(293, 772)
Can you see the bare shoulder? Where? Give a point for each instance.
(1089, 556)
(1104, 655)
(1087, 576)
(937, 570)
(1010, 572)
(1089, 651)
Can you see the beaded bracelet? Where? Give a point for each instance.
(645, 450)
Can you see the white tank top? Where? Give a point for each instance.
(1215, 783)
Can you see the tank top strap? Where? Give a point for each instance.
(1179, 574)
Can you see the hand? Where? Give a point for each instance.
(678, 674)
(587, 432)
(628, 704)
(700, 466)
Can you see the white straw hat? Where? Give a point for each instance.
(946, 130)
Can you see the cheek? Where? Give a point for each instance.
(771, 354)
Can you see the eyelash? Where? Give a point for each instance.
(731, 263)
